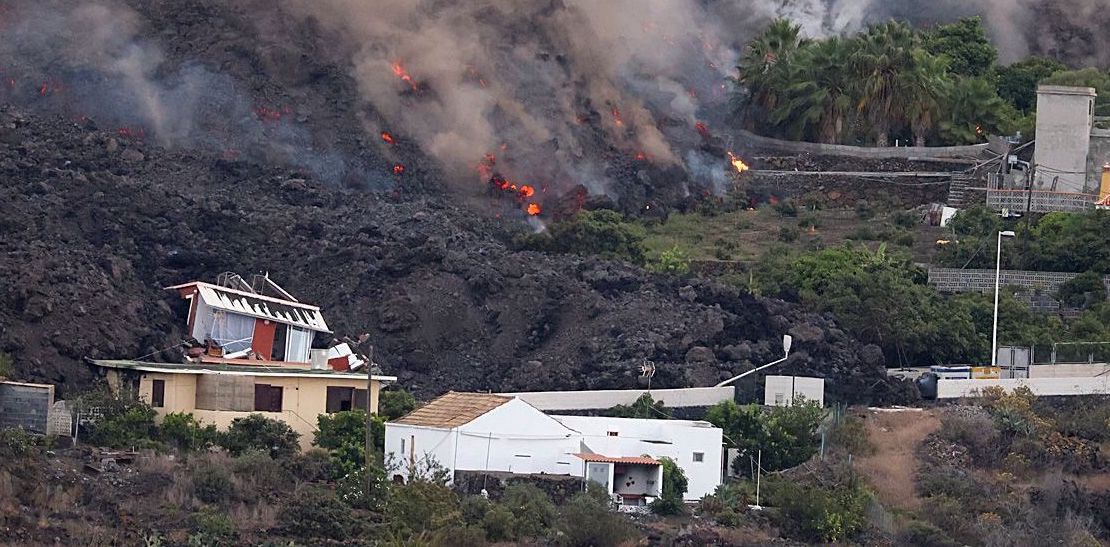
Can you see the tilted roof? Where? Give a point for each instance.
(453, 409)
(268, 368)
(261, 306)
(634, 460)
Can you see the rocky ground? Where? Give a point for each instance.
(95, 225)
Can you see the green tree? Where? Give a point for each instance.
(1087, 77)
(1017, 83)
(760, 69)
(887, 51)
(1083, 291)
(965, 44)
(343, 435)
(185, 433)
(818, 101)
(587, 521)
(675, 485)
(924, 87)
(975, 111)
(645, 406)
(786, 435)
(395, 403)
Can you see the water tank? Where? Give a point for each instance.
(318, 359)
(927, 385)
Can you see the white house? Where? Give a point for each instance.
(784, 390)
(485, 432)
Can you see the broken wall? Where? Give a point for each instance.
(26, 406)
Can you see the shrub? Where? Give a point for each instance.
(1083, 290)
(122, 422)
(258, 469)
(852, 436)
(923, 534)
(905, 219)
(673, 261)
(313, 513)
(5, 365)
(353, 491)
(212, 481)
(863, 233)
(976, 432)
(674, 487)
(603, 233)
(212, 528)
(15, 443)
(343, 434)
(531, 508)
(260, 433)
(421, 506)
(183, 432)
(311, 466)
(587, 521)
(499, 524)
(786, 208)
(864, 210)
(816, 512)
(727, 503)
(904, 239)
(394, 403)
(789, 234)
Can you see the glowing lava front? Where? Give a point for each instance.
(398, 169)
(387, 137)
(534, 209)
(400, 72)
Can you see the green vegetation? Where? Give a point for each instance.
(1017, 83)
(257, 432)
(828, 510)
(675, 486)
(183, 432)
(395, 403)
(786, 435)
(588, 521)
(602, 233)
(343, 435)
(645, 406)
(5, 365)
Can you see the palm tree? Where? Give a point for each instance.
(887, 50)
(923, 87)
(974, 111)
(819, 98)
(759, 68)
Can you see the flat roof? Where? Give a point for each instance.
(234, 370)
(1067, 90)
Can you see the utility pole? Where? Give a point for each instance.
(369, 418)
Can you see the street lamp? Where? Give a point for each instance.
(786, 341)
(997, 277)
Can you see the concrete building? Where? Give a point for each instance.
(486, 432)
(252, 352)
(785, 390)
(1065, 118)
(217, 393)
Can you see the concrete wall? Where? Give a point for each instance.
(303, 399)
(1065, 116)
(1069, 370)
(908, 152)
(603, 399)
(1097, 156)
(674, 439)
(783, 390)
(26, 406)
(954, 389)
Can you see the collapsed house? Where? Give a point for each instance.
(497, 433)
(252, 351)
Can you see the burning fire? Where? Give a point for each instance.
(400, 72)
(398, 169)
(387, 137)
(640, 156)
(534, 209)
(272, 114)
(527, 191)
(503, 185)
(702, 129)
(737, 163)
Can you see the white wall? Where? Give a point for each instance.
(1064, 122)
(674, 439)
(1069, 370)
(608, 398)
(788, 388)
(951, 389)
(418, 443)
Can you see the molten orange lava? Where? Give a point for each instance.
(534, 209)
(737, 163)
(398, 169)
(702, 129)
(527, 191)
(400, 72)
(387, 137)
(640, 156)
(617, 119)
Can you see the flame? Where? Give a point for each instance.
(398, 169)
(617, 116)
(387, 137)
(703, 130)
(737, 163)
(400, 72)
(534, 209)
(640, 156)
(527, 191)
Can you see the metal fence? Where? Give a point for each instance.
(1040, 201)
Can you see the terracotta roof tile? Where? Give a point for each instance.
(453, 409)
(641, 460)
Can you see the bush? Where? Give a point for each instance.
(312, 466)
(183, 432)
(727, 503)
(1083, 290)
(258, 469)
(533, 513)
(587, 521)
(260, 433)
(5, 365)
(820, 513)
(123, 422)
(421, 506)
(343, 434)
(789, 234)
(904, 239)
(673, 261)
(863, 233)
(864, 210)
(923, 534)
(15, 443)
(851, 435)
(604, 233)
(786, 208)
(674, 488)
(313, 513)
(352, 488)
(212, 528)
(787, 435)
(395, 403)
(906, 219)
(212, 481)
(499, 524)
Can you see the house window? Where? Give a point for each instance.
(780, 398)
(267, 398)
(402, 445)
(158, 393)
(345, 398)
(699, 457)
(612, 433)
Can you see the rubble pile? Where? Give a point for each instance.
(95, 226)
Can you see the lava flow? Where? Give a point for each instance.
(400, 72)
(534, 209)
(398, 169)
(387, 137)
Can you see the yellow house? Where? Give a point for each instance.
(217, 393)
